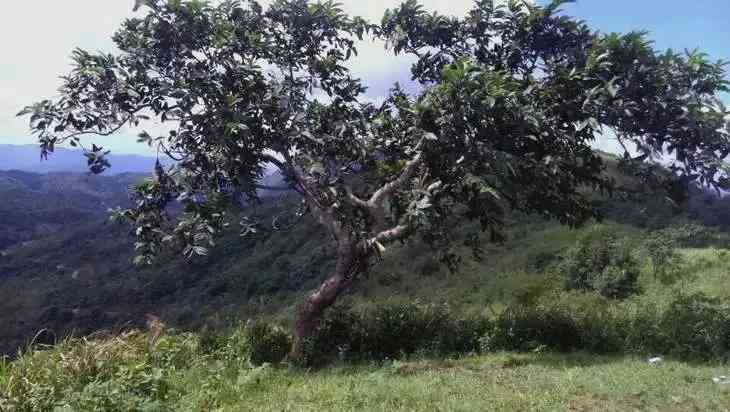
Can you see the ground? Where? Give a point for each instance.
(498, 382)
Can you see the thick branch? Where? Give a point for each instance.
(355, 200)
(392, 234)
(387, 190)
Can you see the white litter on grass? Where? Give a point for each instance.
(721, 380)
(655, 360)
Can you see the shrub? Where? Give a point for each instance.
(541, 261)
(393, 331)
(559, 322)
(697, 327)
(256, 342)
(665, 261)
(641, 324)
(266, 343)
(692, 327)
(601, 262)
(341, 334)
(113, 373)
(689, 235)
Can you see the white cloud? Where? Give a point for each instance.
(37, 37)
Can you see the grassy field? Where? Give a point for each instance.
(499, 382)
(495, 382)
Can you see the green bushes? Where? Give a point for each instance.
(565, 322)
(601, 262)
(392, 331)
(115, 373)
(666, 263)
(692, 327)
(123, 372)
(689, 235)
(697, 327)
(255, 342)
(267, 343)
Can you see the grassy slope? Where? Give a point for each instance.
(123, 373)
(499, 382)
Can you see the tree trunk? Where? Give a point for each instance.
(349, 264)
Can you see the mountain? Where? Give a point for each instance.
(27, 158)
(65, 268)
(37, 205)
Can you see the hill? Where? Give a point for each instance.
(27, 158)
(37, 205)
(78, 278)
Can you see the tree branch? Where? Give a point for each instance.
(89, 132)
(387, 190)
(390, 235)
(356, 201)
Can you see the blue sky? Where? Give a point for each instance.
(40, 35)
(677, 24)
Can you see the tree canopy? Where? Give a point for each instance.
(512, 98)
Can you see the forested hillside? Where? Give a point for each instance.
(38, 205)
(77, 275)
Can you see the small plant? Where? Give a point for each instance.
(697, 327)
(601, 262)
(665, 261)
(267, 343)
(562, 322)
(689, 235)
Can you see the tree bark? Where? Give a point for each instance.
(350, 263)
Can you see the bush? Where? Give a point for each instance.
(601, 262)
(111, 373)
(266, 343)
(341, 334)
(689, 235)
(564, 322)
(665, 261)
(393, 331)
(697, 327)
(256, 342)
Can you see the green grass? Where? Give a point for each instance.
(494, 382)
(124, 373)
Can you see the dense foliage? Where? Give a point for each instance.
(602, 262)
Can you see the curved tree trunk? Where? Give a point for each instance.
(349, 264)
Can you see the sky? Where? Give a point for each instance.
(37, 37)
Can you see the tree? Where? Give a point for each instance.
(512, 98)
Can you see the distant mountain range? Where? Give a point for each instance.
(36, 205)
(27, 158)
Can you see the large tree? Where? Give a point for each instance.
(512, 98)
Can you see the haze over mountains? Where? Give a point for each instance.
(27, 158)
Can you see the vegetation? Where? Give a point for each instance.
(602, 262)
(542, 316)
(174, 371)
(36, 205)
(512, 101)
